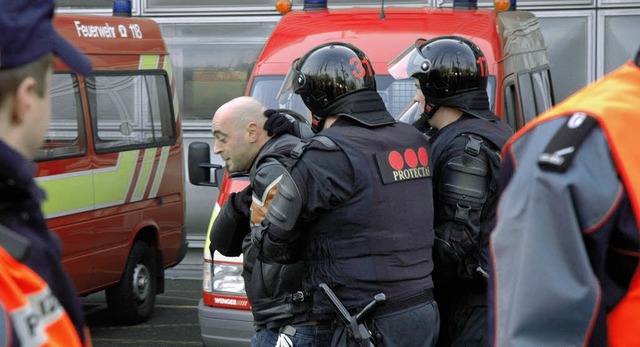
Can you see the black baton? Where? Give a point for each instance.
(354, 324)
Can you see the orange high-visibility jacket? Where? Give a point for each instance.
(34, 312)
(614, 102)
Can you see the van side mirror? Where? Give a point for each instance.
(199, 165)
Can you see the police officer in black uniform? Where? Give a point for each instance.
(466, 139)
(356, 205)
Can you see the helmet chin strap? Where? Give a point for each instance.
(422, 123)
(430, 110)
(317, 123)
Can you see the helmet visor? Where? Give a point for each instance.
(411, 113)
(290, 85)
(409, 62)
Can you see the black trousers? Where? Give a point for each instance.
(415, 326)
(464, 318)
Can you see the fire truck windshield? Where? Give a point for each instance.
(395, 93)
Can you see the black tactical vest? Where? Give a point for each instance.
(380, 239)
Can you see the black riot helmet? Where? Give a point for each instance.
(457, 66)
(452, 71)
(327, 74)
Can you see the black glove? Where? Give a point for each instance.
(241, 201)
(277, 123)
(228, 231)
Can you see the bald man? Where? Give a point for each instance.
(252, 139)
(238, 129)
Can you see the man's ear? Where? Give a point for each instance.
(252, 132)
(23, 102)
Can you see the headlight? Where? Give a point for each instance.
(227, 279)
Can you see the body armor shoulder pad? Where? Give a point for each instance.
(319, 142)
(466, 175)
(286, 205)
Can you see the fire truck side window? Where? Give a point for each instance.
(66, 134)
(510, 108)
(527, 98)
(542, 89)
(130, 111)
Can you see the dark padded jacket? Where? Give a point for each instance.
(274, 291)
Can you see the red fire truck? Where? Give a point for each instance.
(112, 163)
(519, 88)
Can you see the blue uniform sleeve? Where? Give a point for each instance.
(551, 255)
(7, 335)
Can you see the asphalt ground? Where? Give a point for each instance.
(174, 321)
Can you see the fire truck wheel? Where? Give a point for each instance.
(132, 299)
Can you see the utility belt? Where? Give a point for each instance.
(386, 308)
(390, 307)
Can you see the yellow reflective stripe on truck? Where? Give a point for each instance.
(111, 185)
(116, 181)
(149, 61)
(105, 187)
(207, 241)
(168, 68)
(159, 172)
(58, 187)
(144, 174)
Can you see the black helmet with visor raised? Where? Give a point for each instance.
(451, 70)
(326, 74)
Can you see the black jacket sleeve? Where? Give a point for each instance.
(228, 231)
